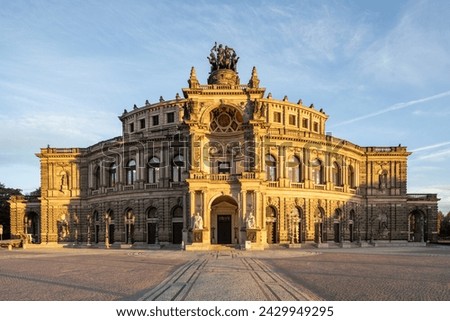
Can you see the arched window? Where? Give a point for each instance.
(112, 175)
(177, 211)
(294, 170)
(110, 214)
(271, 168)
(177, 167)
(152, 212)
(153, 170)
(131, 172)
(351, 176)
(317, 171)
(97, 177)
(336, 174)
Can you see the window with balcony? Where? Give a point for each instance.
(112, 175)
(131, 172)
(97, 177)
(317, 172)
(177, 168)
(351, 177)
(336, 174)
(153, 167)
(294, 169)
(271, 168)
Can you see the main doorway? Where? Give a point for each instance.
(224, 229)
(224, 221)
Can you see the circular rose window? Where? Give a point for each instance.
(225, 119)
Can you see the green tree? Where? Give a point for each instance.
(5, 194)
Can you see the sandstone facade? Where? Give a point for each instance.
(254, 168)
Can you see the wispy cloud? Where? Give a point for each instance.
(428, 147)
(442, 155)
(416, 51)
(394, 108)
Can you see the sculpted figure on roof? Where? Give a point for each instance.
(222, 57)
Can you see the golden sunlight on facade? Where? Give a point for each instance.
(225, 164)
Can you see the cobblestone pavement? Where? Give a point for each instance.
(227, 275)
(282, 274)
(83, 274)
(375, 274)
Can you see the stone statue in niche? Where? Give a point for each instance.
(64, 182)
(250, 222)
(198, 222)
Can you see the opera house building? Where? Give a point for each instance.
(225, 163)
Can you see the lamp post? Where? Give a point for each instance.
(89, 230)
(107, 230)
(75, 221)
(129, 219)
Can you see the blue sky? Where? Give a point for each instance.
(379, 69)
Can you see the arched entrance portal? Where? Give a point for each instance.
(271, 223)
(416, 226)
(224, 221)
(31, 223)
(337, 225)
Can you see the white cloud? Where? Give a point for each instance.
(395, 107)
(416, 51)
(433, 146)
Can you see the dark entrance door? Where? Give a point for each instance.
(151, 230)
(111, 233)
(337, 232)
(318, 230)
(272, 233)
(350, 227)
(224, 229)
(177, 232)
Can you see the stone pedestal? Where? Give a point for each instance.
(252, 235)
(197, 236)
(252, 240)
(322, 245)
(345, 244)
(294, 245)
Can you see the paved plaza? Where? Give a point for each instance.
(403, 273)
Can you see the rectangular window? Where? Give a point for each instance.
(316, 126)
(277, 117)
(224, 167)
(142, 123)
(305, 123)
(131, 127)
(170, 117)
(155, 120)
(292, 120)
